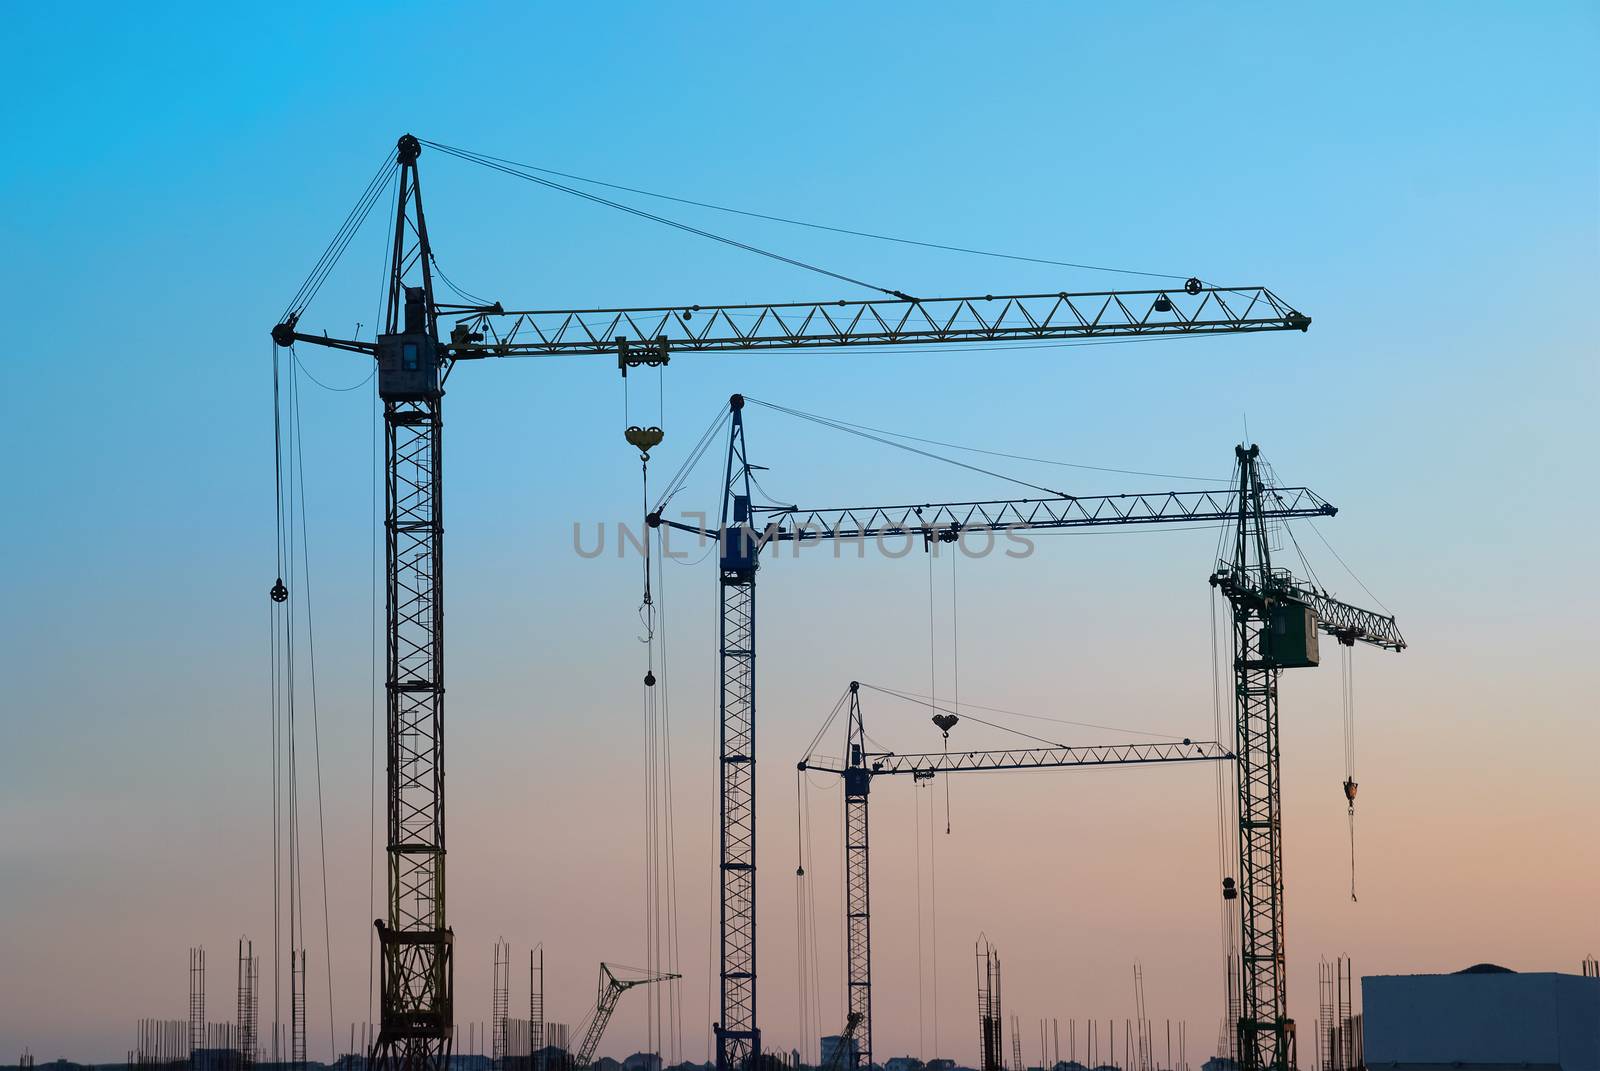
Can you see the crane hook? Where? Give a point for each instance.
(644, 439)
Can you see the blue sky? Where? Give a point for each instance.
(1421, 179)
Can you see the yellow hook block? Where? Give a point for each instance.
(644, 439)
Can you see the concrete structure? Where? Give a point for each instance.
(1482, 1017)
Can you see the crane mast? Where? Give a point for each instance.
(417, 1020)
(1275, 624)
(738, 1038)
(414, 358)
(857, 881)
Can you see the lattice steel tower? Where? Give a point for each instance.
(1276, 619)
(857, 866)
(417, 1021)
(416, 1025)
(738, 1039)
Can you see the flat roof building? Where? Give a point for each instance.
(1482, 1018)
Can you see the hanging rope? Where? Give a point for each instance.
(922, 1032)
(664, 1010)
(933, 917)
(316, 727)
(277, 596)
(955, 676)
(674, 988)
(1347, 665)
(801, 993)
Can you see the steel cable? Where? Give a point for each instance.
(341, 239)
(510, 169)
(823, 226)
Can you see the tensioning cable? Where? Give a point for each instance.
(512, 169)
(816, 226)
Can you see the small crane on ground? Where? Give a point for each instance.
(611, 988)
(844, 1050)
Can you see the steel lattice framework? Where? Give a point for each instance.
(1032, 758)
(417, 1026)
(610, 991)
(946, 521)
(638, 334)
(861, 766)
(413, 359)
(858, 886)
(746, 529)
(1266, 1032)
(1257, 593)
(738, 1038)
(883, 322)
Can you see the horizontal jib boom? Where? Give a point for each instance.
(886, 322)
(948, 520)
(1026, 758)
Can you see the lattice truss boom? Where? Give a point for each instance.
(919, 764)
(884, 321)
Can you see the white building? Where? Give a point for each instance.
(1483, 1017)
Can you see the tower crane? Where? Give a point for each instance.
(421, 343)
(1276, 620)
(1257, 591)
(859, 768)
(610, 991)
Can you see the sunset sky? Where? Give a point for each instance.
(1420, 179)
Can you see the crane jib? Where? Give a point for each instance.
(488, 331)
(948, 521)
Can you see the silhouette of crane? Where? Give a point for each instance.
(862, 766)
(611, 988)
(414, 356)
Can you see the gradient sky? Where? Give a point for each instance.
(1419, 178)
